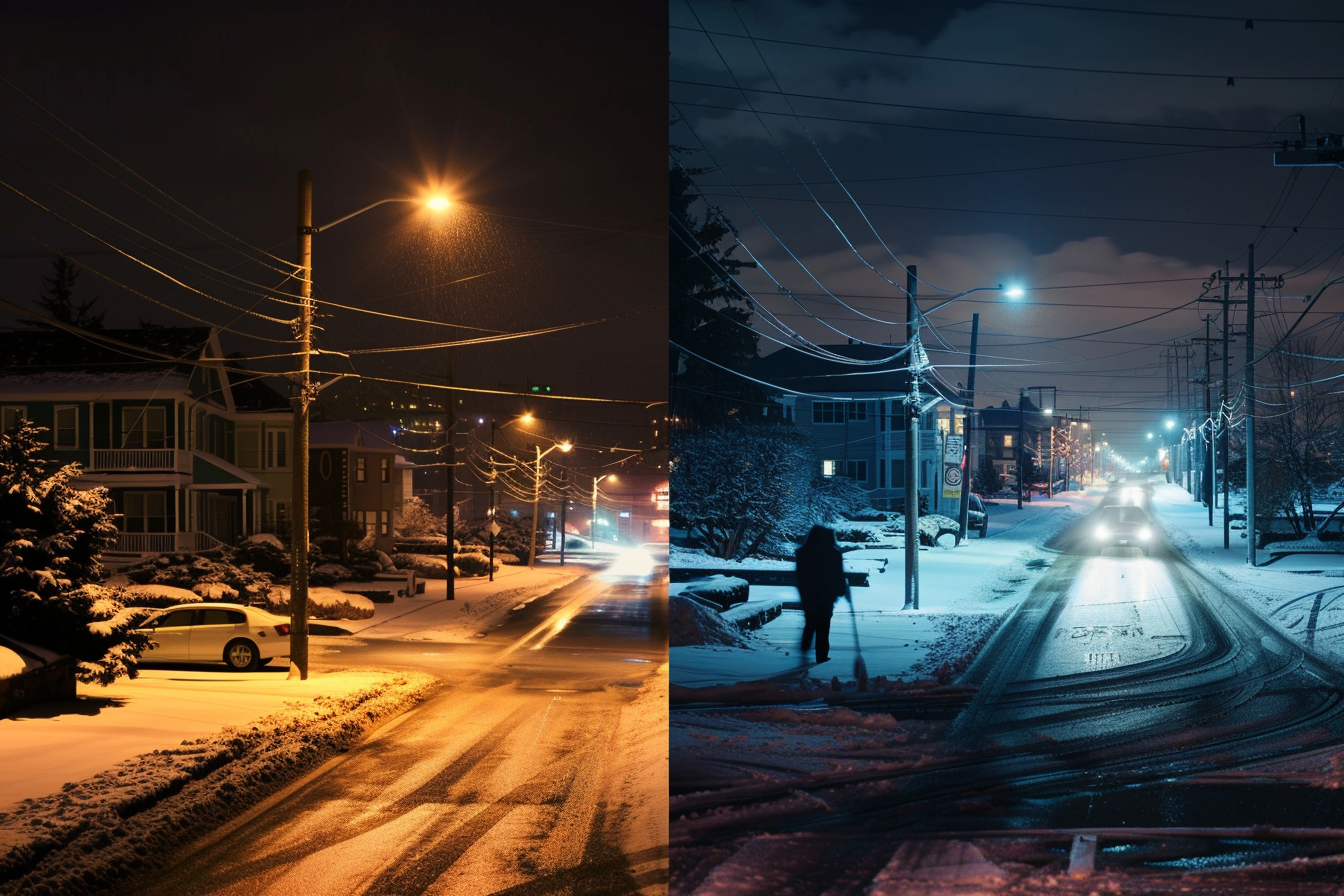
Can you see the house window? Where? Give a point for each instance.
(384, 470)
(67, 426)
(144, 427)
(277, 449)
(360, 474)
(144, 512)
(898, 472)
(12, 416)
(1007, 440)
(853, 469)
(837, 411)
(384, 522)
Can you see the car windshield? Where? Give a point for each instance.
(1129, 515)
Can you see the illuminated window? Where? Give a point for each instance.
(360, 474)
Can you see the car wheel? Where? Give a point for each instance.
(241, 655)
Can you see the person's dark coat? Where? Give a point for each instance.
(821, 571)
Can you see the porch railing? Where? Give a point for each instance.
(166, 542)
(147, 459)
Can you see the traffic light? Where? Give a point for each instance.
(541, 390)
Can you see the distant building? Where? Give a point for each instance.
(356, 481)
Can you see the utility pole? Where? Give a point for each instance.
(1250, 405)
(1206, 481)
(964, 512)
(298, 581)
(450, 461)
(1021, 443)
(912, 444)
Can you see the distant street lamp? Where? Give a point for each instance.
(592, 520)
(536, 500)
(307, 394)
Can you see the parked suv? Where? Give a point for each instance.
(243, 638)
(1123, 525)
(977, 516)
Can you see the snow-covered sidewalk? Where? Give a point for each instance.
(1301, 595)
(964, 592)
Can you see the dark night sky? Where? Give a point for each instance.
(546, 122)
(1099, 158)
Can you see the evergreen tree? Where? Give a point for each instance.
(58, 300)
(710, 314)
(52, 536)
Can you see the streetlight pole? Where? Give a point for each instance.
(298, 577)
(302, 401)
(917, 362)
(536, 500)
(592, 520)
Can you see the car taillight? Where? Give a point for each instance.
(282, 629)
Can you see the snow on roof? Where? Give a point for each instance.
(84, 381)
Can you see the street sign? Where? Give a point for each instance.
(952, 450)
(494, 528)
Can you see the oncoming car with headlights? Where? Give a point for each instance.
(241, 637)
(1123, 525)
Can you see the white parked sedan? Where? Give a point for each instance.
(243, 638)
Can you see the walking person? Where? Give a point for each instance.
(821, 581)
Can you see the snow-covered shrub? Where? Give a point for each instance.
(851, 534)
(725, 591)
(216, 591)
(157, 596)
(329, 574)
(692, 624)
(474, 563)
(52, 536)
(417, 520)
(427, 566)
(736, 488)
(834, 498)
(263, 553)
(323, 603)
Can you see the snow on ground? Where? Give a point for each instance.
(93, 791)
(100, 829)
(1301, 595)
(964, 592)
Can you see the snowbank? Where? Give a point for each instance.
(693, 623)
(108, 828)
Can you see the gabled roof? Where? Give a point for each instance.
(101, 351)
(803, 372)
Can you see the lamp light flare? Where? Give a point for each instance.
(1014, 292)
(438, 203)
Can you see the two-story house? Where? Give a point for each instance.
(356, 480)
(194, 452)
(856, 416)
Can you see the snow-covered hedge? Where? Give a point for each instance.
(719, 589)
(157, 596)
(323, 603)
(431, 566)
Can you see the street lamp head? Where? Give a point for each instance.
(526, 419)
(564, 446)
(438, 203)
(1171, 424)
(1013, 291)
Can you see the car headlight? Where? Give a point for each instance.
(1145, 533)
(1102, 532)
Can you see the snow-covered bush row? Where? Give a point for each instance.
(323, 603)
(432, 566)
